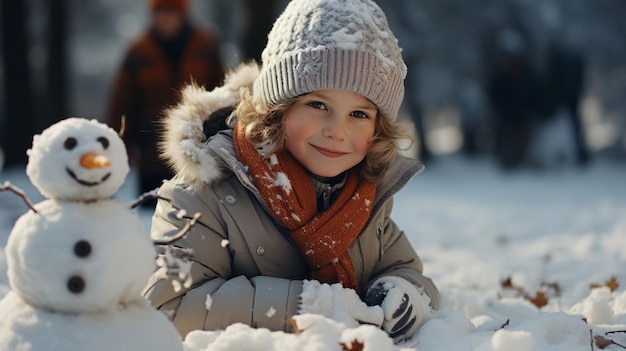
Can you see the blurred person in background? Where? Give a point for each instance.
(170, 54)
(564, 86)
(513, 91)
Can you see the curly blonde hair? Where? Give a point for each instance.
(264, 129)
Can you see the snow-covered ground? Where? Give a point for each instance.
(490, 241)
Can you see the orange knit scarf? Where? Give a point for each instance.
(323, 238)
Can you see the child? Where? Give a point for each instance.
(296, 199)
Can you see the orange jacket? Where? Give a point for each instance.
(147, 83)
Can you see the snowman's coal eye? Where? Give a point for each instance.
(104, 141)
(76, 284)
(70, 143)
(82, 248)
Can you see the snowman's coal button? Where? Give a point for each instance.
(230, 199)
(82, 248)
(260, 250)
(76, 284)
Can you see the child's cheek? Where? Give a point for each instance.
(361, 148)
(298, 129)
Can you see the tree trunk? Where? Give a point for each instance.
(20, 120)
(260, 17)
(56, 82)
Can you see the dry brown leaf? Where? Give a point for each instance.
(539, 300)
(612, 284)
(602, 342)
(355, 345)
(294, 325)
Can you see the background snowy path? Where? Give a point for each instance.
(474, 226)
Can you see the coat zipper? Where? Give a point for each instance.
(326, 196)
(379, 234)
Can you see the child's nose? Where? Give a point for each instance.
(335, 128)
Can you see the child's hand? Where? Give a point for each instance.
(405, 307)
(338, 303)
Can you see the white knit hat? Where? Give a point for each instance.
(333, 44)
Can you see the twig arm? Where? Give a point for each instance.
(19, 192)
(150, 195)
(591, 339)
(182, 214)
(191, 221)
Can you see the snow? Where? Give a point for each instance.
(505, 340)
(173, 262)
(474, 227)
(273, 160)
(208, 302)
(597, 307)
(136, 326)
(338, 303)
(270, 312)
(316, 333)
(282, 181)
(347, 37)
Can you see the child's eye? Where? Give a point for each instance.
(318, 105)
(360, 114)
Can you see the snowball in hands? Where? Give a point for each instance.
(405, 307)
(338, 303)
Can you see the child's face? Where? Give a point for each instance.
(329, 131)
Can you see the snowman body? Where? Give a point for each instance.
(78, 262)
(132, 327)
(79, 258)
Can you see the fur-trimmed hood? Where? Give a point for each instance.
(183, 143)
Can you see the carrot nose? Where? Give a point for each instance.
(92, 160)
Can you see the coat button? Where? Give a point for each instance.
(260, 250)
(230, 199)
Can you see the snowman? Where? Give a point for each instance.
(78, 261)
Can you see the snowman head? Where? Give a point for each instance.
(77, 159)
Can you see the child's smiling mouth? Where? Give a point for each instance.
(329, 152)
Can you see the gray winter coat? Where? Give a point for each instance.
(243, 259)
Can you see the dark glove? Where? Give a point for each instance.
(404, 305)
